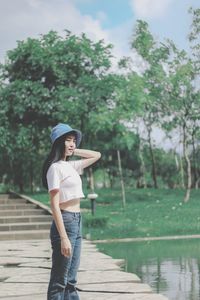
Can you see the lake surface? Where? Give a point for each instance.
(171, 268)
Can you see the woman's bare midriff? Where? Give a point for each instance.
(71, 205)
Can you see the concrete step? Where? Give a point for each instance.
(25, 212)
(4, 196)
(12, 201)
(24, 235)
(24, 226)
(25, 219)
(16, 206)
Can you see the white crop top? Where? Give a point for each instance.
(64, 176)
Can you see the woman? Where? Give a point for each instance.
(62, 178)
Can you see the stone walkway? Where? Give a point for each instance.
(25, 259)
(25, 268)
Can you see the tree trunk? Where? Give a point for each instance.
(104, 178)
(154, 176)
(142, 166)
(110, 177)
(194, 162)
(188, 164)
(182, 173)
(176, 161)
(177, 166)
(91, 180)
(121, 179)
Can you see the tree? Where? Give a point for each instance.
(194, 41)
(182, 103)
(46, 81)
(152, 88)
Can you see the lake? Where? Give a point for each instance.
(171, 268)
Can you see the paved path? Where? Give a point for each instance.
(25, 268)
(25, 259)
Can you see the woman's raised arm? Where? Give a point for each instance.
(90, 156)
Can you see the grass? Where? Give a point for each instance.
(148, 212)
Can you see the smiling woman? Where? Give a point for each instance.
(62, 178)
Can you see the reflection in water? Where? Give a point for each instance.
(178, 279)
(171, 268)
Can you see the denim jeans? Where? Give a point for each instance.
(64, 269)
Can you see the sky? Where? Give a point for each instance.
(110, 20)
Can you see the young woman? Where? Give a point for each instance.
(62, 178)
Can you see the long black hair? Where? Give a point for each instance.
(57, 153)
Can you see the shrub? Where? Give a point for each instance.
(95, 222)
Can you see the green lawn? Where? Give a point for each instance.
(148, 213)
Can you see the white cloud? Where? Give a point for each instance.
(30, 18)
(150, 8)
(101, 15)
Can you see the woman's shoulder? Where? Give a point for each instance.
(75, 162)
(54, 167)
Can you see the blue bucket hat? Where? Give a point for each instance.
(61, 129)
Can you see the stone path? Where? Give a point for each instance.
(25, 268)
(25, 259)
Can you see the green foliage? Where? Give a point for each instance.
(166, 168)
(194, 36)
(146, 46)
(94, 222)
(142, 39)
(46, 81)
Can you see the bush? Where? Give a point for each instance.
(4, 188)
(95, 222)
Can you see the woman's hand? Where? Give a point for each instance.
(66, 248)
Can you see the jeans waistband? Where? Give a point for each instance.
(74, 214)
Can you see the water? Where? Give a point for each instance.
(171, 268)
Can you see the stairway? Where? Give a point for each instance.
(23, 218)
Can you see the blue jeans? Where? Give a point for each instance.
(64, 269)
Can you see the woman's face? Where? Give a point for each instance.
(70, 144)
